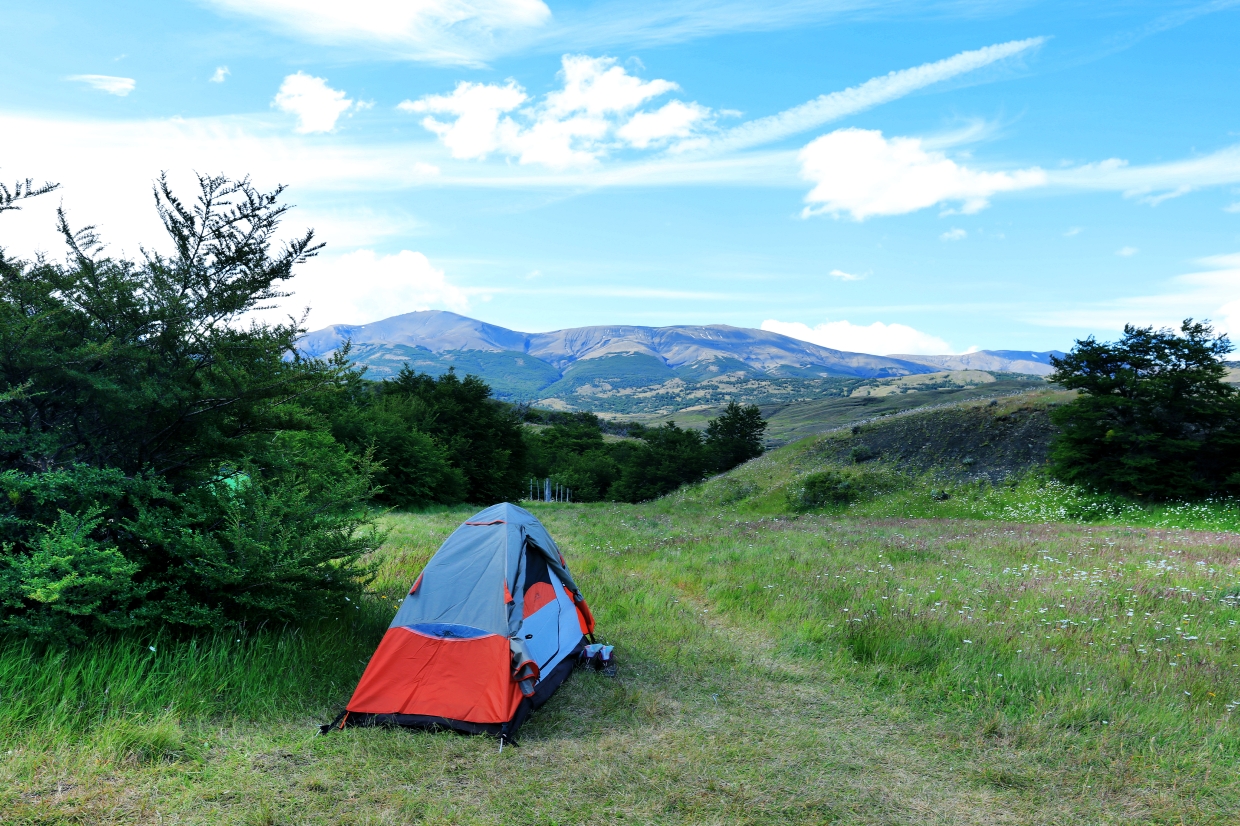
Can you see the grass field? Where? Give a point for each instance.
(901, 659)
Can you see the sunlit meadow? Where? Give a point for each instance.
(933, 652)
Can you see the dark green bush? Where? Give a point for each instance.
(414, 469)
(860, 454)
(161, 461)
(826, 488)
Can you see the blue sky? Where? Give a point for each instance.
(875, 176)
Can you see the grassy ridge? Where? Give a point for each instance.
(791, 421)
(980, 460)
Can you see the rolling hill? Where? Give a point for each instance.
(626, 369)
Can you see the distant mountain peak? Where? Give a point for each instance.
(440, 331)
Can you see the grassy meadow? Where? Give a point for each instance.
(941, 650)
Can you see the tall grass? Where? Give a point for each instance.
(263, 674)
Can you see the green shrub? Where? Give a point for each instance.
(480, 437)
(861, 454)
(827, 488)
(667, 458)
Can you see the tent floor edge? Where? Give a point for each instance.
(420, 721)
(326, 728)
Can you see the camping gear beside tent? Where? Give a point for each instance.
(487, 633)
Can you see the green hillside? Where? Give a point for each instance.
(512, 376)
(787, 422)
(975, 460)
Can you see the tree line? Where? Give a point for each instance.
(165, 462)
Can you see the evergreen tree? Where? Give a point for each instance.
(158, 458)
(670, 457)
(735, 436)
(480, 436)
(1154, 417)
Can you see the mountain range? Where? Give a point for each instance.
(625, 368)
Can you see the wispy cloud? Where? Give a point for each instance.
(954, 234)
(1126, 252)
(845, 276)
(873, 92)
(658, 22)
(439, 31)
(472, 32)
(119, 86)
(1073, 231)
(221, 74)
(1171, 179)
(1212, 292)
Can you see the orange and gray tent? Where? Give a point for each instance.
(490, 629)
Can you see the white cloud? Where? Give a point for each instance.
(444, 31)
(363, 286)
(858, 171)
(1232, 207)
(316, 105)
(477, 107)
(596, 110)
(597, 86)
(572, 126)
(954, 234)
(675, 119)
(857, 338)
(472, 31)
(1072, 231)
(1155, 200)
(873, 92)
(845, 276)
(119, 86)
(1126, 252)
(221, 74)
